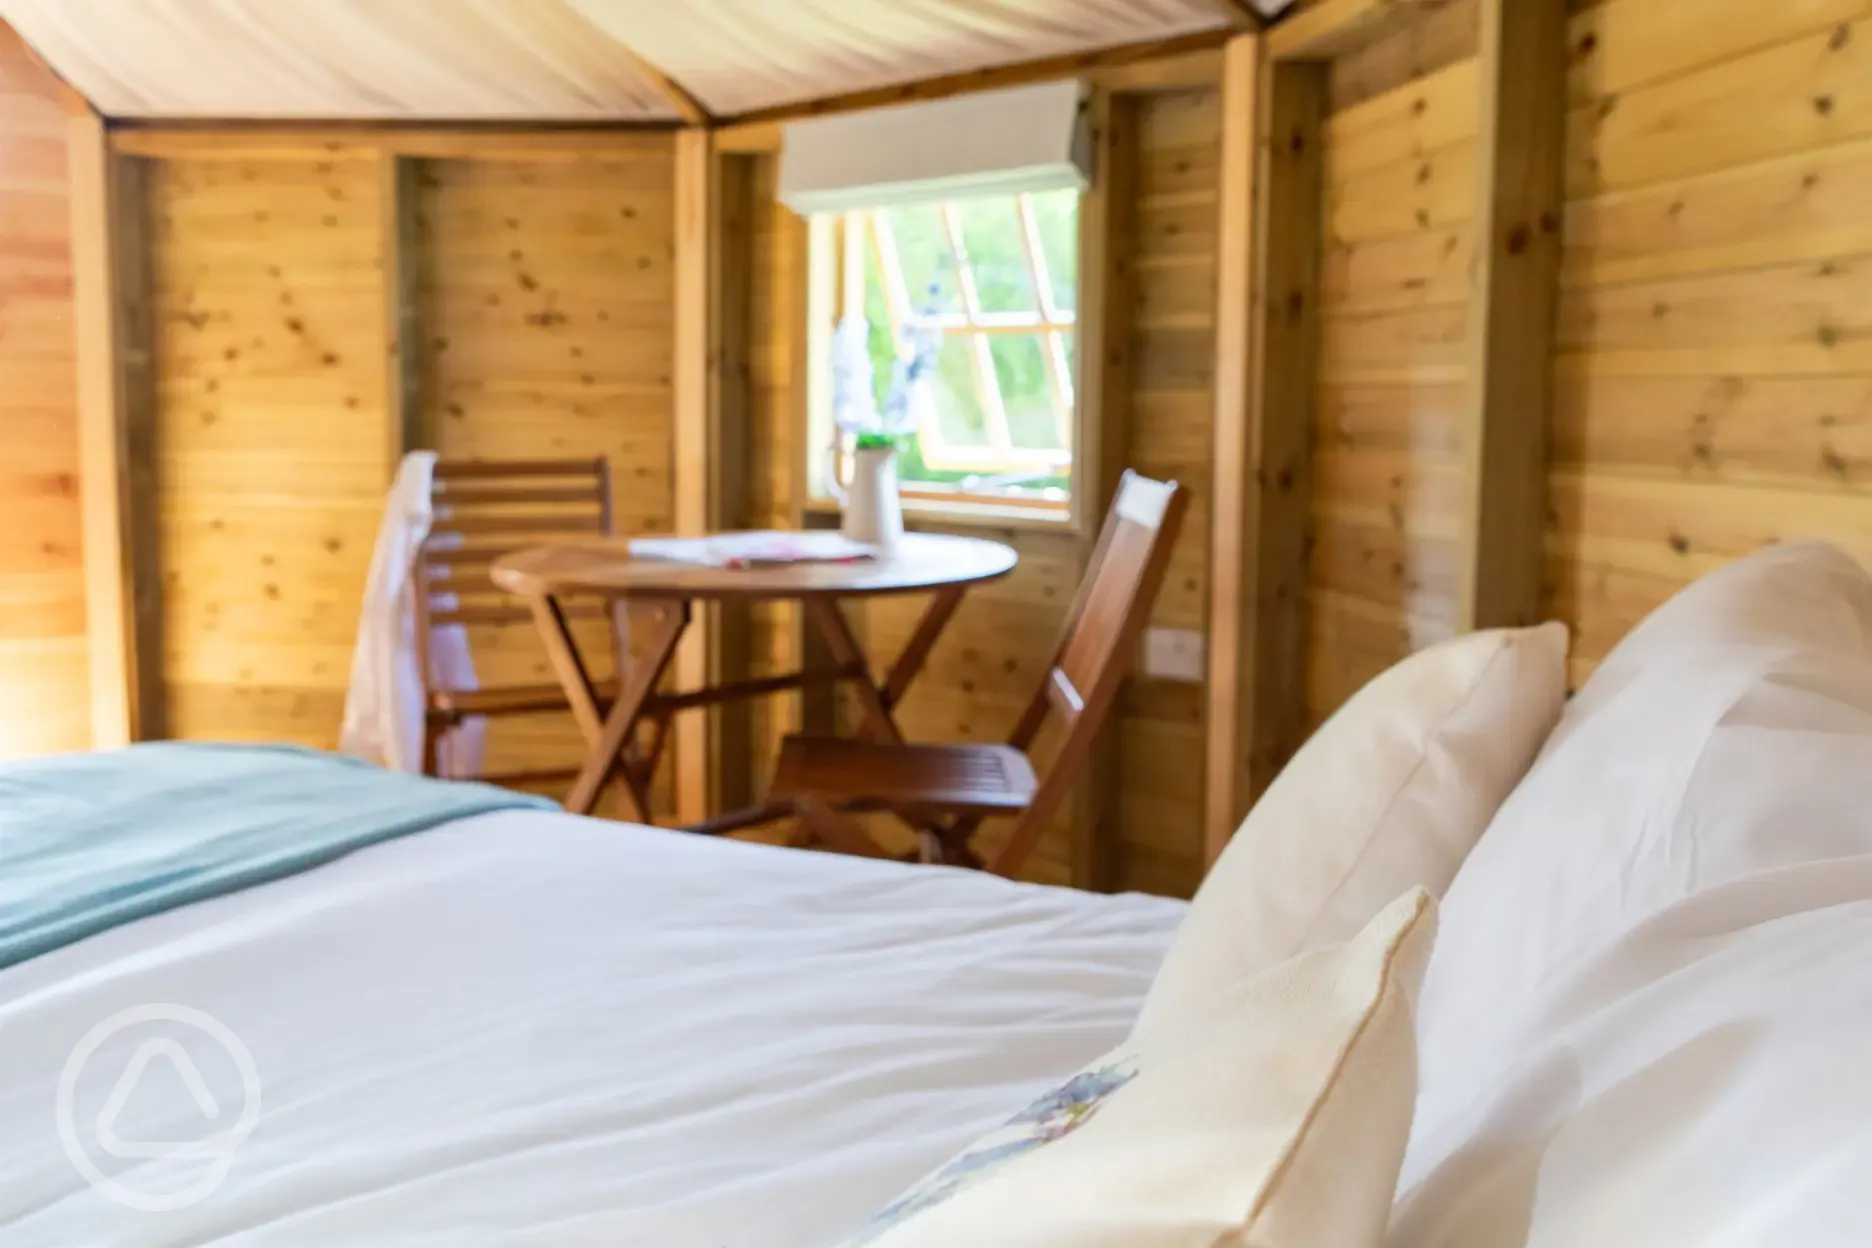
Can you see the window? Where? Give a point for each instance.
(998, 278)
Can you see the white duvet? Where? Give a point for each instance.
(528, 1028)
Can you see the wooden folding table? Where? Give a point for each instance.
(660, 598)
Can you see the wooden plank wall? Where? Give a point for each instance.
(543, 301)
(44, 679)
(271, 456)
(1400, 172)
(1714, 386)
(540, 297)
(1711, 392)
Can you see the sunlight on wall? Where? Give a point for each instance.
(44, 683)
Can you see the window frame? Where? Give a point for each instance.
(836, 282)
(976, 326)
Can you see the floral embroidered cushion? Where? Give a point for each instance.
(1280, 1122)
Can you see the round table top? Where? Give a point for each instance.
(917, 561)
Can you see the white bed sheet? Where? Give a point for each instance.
(530, 1028)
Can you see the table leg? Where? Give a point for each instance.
(935, 838)
(639, 765)
(635, 687)
(917, 652)
(845, 650)
(562, 651)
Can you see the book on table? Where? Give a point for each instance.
(753, 550)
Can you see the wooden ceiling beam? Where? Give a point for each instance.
(1067, 66)
(1240, 14)
(1329, 29)
(70, 98)
(260, 141)
(687, 106)
(1196, 67)
(688, 109)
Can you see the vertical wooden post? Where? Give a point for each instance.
(1291, 221)
(1512, 308)
(697, 406)
(1107, 242)
(731, 726)
(793, 310)
(1230, 523)
(709, 458)
(829, 288)
(402, 277)
(1266, 374)
(116, 421)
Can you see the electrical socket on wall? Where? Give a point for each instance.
(1177, 654)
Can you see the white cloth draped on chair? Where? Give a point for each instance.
(383, 718)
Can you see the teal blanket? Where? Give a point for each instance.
(89, 841)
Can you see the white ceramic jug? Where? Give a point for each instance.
(873, 510)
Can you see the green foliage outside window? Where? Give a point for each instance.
(1001, 278)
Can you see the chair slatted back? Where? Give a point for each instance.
(1110, 610)
(1102, 633)
(484, 509)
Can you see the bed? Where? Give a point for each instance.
(551, 1029)
(1644, 1021)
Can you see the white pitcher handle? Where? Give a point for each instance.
(833, 486)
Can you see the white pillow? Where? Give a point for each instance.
(1280, 1122)
(1646, 1021)
(1390, 794)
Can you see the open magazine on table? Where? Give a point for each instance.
(753, 550)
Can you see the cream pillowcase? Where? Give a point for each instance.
(1391, 793)
(1280, 1123)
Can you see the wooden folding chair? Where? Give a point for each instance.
(485, 509)
(945, 792)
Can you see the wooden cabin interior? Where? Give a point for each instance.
(1449, 314)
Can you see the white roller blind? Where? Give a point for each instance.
(965, 147)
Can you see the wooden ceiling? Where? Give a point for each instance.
(566, 60)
